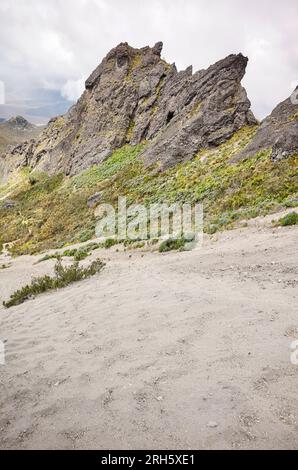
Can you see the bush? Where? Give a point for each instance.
(81, 254)
(62, 278)
(86, 235)
(78, 254)
(93, 246)
(109, 242)
(289, 219)
(171, 244)
(47, 257)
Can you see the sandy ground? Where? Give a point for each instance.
(177, 351)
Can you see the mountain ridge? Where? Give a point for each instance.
(135, 96)
(164, 137)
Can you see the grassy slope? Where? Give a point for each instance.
(53, 211)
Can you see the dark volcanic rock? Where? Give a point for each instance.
(134, 96)
(94, 200)
(198, 111)
(278, 131)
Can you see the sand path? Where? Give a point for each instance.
(181, 350)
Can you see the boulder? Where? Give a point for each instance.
(94, 200)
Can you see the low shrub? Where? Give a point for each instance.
(109, 242)
(78, 254)
(48, 257)
(289, 219)
(81, 254)
(62, 278)
(172, 244)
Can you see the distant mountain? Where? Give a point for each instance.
(16, 131)
(38, 108)
(19, 123)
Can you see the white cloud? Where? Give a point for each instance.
(61, 41)
(73, 89)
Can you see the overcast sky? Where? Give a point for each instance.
(49, 47)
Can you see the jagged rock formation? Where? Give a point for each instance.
(135, 96)
(278, 131)
(200, 110)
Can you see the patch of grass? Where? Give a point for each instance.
(93, 246)
(290, 202)
(109, 242)
(48, 257)
(172, 244)
(100, 174)
(63, 277)
(130, 131)
(289, 219)
(81, 254)
(77, 253)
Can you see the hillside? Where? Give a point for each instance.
(146, 131)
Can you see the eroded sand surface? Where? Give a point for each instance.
(182, 350)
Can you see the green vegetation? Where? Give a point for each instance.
(130, 131)
(53, 212)
(171, 244)
(78, 254)
(109, 242)
(63, 277)
(289, 219)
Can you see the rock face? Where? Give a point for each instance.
(278, 131)
(135, 96)
(198, 111)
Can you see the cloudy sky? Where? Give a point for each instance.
(49, 47)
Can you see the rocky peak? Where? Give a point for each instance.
(19, 122)
(135, 96)
(278, 131)
(121, 60)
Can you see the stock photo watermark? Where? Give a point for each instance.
(294, 355)
(2, 92)
(158, 221)
(294, 95)
(2, 353)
